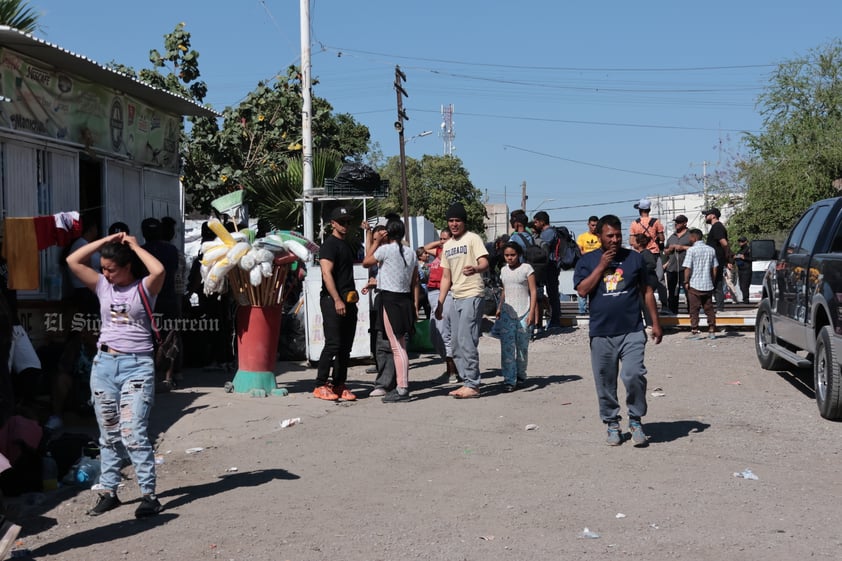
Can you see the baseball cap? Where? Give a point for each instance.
(340, 214)
(680, 219)
(712, 210)
(643, 204)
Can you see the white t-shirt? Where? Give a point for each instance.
(516, 285)
(394, 273)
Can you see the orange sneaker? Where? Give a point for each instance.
(325, 392)
(344, 393)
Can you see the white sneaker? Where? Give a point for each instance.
(377, 392)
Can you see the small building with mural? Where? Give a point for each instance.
(78, 136)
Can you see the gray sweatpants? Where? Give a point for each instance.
(440, 329)
(465, 318)
(607, 356)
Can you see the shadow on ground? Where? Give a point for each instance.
(668, 431)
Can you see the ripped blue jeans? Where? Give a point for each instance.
(123, 388)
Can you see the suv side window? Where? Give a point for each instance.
(817, 222)
(793, 244)
(803, 238)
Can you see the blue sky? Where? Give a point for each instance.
(593, 104)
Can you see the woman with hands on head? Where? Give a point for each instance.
(123, 371)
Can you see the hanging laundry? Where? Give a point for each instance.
(20, 249)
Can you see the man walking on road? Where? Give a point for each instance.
(699, 271)
(615, 278)
(743, 261)
(464, 259)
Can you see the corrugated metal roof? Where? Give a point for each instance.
(84, 67)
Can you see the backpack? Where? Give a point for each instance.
(565, 250)
(657, 239)
(535, 253)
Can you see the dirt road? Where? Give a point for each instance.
(441, 479)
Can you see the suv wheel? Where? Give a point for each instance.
(827, 377)
(764, 336)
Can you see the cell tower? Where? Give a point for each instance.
(447, 133)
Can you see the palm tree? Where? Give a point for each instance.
(273, 197)
(18, 14)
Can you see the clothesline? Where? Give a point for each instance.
(24, 237)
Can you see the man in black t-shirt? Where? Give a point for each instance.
(338, 304)
(718, 240)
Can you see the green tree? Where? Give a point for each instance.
(798, 156)
(19, 15)
(259, 136)
(253, 141)
(433, 184)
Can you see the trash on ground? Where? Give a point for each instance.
(531, 426)
(734, 383)
(567, 403)
(746, 474)
(587, 534)
(159, 459)
(486, 538)
(231, 470)
(620, 515)
(195, 450)
(655, 526)
(658, 393)
(290, 422)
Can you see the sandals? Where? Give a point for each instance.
(165, 386)
(465, 393)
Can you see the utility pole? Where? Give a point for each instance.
(523, 196)
(400, 77)
(306, 123)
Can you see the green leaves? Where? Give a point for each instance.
(19, 15)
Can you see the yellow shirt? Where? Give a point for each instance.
(588, 242)
(461, 253)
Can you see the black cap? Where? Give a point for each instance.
(680, 219)
(340, 214)
(712, 210)
(742, 239)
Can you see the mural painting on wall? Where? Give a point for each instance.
(48, 103)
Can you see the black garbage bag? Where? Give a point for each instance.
(359, 175)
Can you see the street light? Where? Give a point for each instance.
(419, 135)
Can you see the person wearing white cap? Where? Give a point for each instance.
(654, 229)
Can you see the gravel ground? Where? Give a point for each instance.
(442, 479)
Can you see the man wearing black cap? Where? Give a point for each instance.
(464, 259)
(675, 249)
(718, 240)
(338, 304)
(743, 261)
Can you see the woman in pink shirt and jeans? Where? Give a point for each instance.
(123, 371)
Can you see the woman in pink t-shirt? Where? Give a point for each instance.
(123, 371)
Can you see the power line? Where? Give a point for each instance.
(559, 68)
(600, 166)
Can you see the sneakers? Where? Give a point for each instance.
(615, 437)
(107, 501)
(325, 392)
(344, 393)
(509, 388)
(453, 379)
(638, 437)
(394, 397)
(149, 506)
(377, 392)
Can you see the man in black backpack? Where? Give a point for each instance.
(547, 236)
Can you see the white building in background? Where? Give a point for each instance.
(497, 221)
(691, 205)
